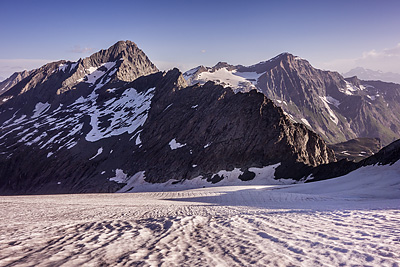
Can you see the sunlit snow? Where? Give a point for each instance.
(305, 121)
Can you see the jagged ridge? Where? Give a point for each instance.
(338, 109)
(102, 127)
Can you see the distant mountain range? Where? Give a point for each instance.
(367, 74)
(338, 109)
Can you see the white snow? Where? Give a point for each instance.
(111, 90)
(5, 99)
(173, 144)
(66, 127)
(62, 67)
(373, 97)
(99, 151)
(49, 154)
(73, 65)
(195, 106)
(351, 89)
(94, 73)
(207, 145)
(138, 141)
(369, 182)
(168, 107)
(233, 78)
(127, 113)
(263, 176)
(332, 101)
(332, 115)
(305, 121)
(348, 221)
(37, 139)
(290, 116)
(120, 176)
(40, 108)
(249, 76)
(280, 101)
(188, 74)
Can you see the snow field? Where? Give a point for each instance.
(258, 225)
(352, 220)
(232, 78)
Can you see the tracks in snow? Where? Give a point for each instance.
(208, 227)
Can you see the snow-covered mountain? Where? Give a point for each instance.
(97, 124)
(367, 74)
(338, 109)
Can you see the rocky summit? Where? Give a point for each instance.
(337, 108)
(112, 122)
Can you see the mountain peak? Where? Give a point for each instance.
(122, 46)
(221, 65)
(283, 56)
(133, 61)
(125, 43)
(120, 49)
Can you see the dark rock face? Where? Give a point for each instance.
(67, 130)
(387, 155)
(221, 130)
(356, 149)
(336, 108)
(134, 62)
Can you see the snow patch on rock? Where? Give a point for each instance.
(332, 115)
(99, 151)
(94, 73)
(305, 121)
(263, 176)
(40, 108)
(173, 144)
(127, 113)
(120, 177)
(229, 78)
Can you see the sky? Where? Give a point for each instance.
(333, 35)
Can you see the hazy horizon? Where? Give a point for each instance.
(336, 36)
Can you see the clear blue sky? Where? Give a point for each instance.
(330, 34)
